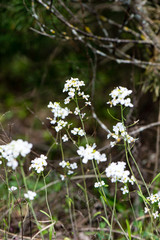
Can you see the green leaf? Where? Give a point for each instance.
(113, 116)
(50, 232)
(69, 200)
(128, 229)
(141, 195)
(81, 187)
(96, 214)
(158, 175)
(106, 221)
(45, 213)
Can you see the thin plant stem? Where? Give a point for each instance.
(113, 211)
(70, 210)
(30, 203)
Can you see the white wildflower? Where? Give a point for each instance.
(88, 103)
(64, 138)
(120, 132)
(99, 184)
(155, 215)
(30, 195)
(117, 172)
(13, 150)
(39, 163)
(146, 210)
(60, 124)
(89, 153)
(63, 164)
(78, 131)
(12, 189)
(70, 172)
(124, 190)
(62, 177)
(76, 111)
(58, 113)
(73, 166)
(119, 95)
(13, 164)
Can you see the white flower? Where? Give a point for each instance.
(89, 153)
(78, 131)
(64, 138)
(155, 215)
(83, 115)
(63, 164)
(67, 100)
(71, 92)
(73, 86)
(100, 157)
(117, 172)
(99, 184)
(86, 153)
(88, 103)
(120, 132)
(112, 144)
(12, 189)
(124, 190)
(70, 172)
(39, 163)
(73, 166)
(0, 162)
(146, 210)
(30, 195)
(62, 177)
(81, 132)
(154, 198)
(60, 124)
(73, 83)
(13, 150)
(76, 111)
(118, 97)
(75, 131)
(58, 113)
(132, 180)
(13, 164)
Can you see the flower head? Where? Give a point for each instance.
(39, 163)
(13, 150)
(30, 195)
(89, 153)
(119, 95)
(12, 189)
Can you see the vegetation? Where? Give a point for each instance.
(80, 120)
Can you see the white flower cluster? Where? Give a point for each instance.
(13, 150)
(119, 95)
(78, 112)
(117, 172)
(69, 167)
(99, 184)
(72, 86)
(39, 163)
(154, 199)
(78, 131)
(120, 132)
(59, 113)
(89, 153)
(30, 195)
